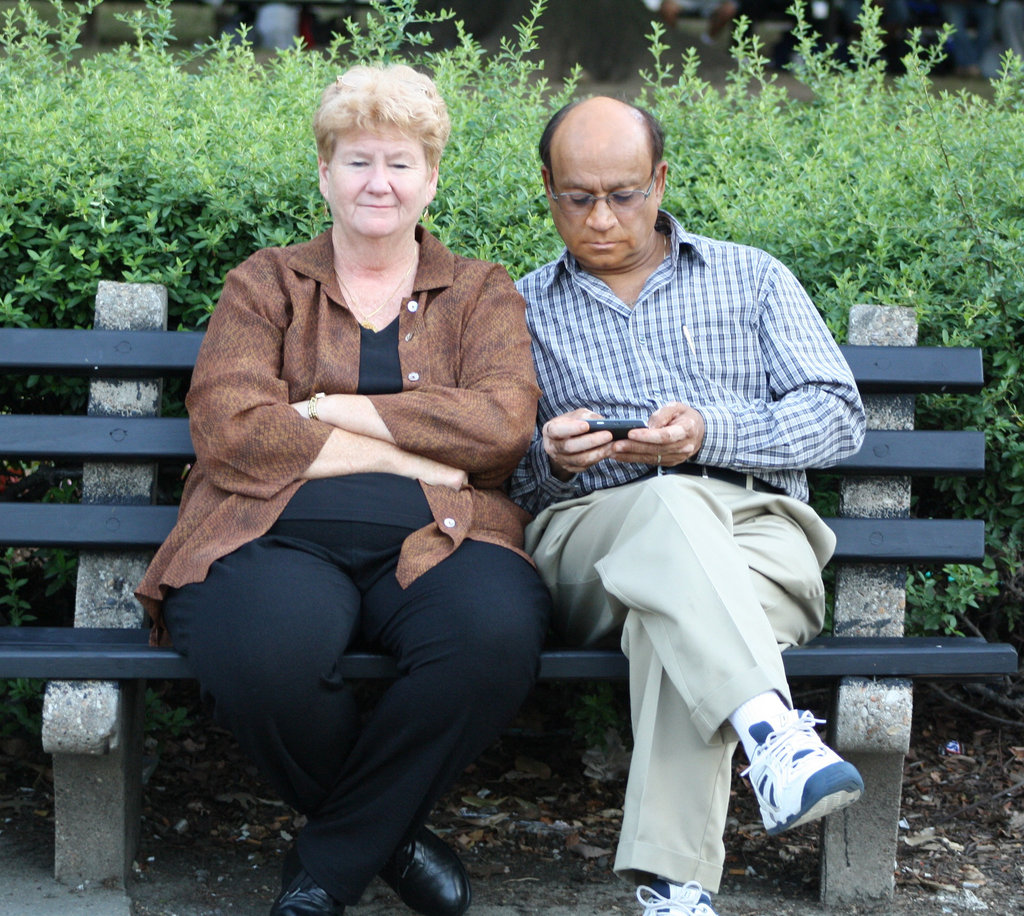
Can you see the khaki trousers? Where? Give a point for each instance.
(707, 582)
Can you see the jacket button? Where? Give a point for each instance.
(449, 523)
(414, 376)
(413, 305)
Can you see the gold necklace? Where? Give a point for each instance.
(355, 307)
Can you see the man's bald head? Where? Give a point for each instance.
(609, 112)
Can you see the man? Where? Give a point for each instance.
(691, 536)
(719, 13)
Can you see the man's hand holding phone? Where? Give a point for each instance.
(575, 441)
(673, 435)
(572, 445)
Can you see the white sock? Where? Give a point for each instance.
(765, 707)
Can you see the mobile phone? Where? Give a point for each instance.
(618, 428)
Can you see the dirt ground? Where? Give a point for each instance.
(537, 833)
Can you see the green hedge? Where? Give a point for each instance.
(151, 162)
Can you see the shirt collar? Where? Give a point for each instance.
(315, 259)
(698, 244)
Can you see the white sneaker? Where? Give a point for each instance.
(688, 899)
(796, 778)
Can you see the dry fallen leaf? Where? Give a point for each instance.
(972, 875)
(475, 801)
(928, 839)
(466, 840)
(608, 763)
(527, 808)
(585, 850)
(533, 767)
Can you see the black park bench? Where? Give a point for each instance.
(97, 669)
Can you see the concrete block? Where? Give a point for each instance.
(81, 717)
(130, 306)
(105, 590)
(124, 484)
(870, 600)
(96, 803)
(882, 326)
(870, 722)
(124, 397)
(889, 411)
(858, 862)
(94, 729)
(875, 497)
(872, 716)
(870, 727)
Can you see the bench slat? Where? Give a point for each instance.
(879, 540)
(141, 354)
(97, 527)
(917, 453)
(914, 452)
(824, 657)
(916, 369)
(908, 540)
(55, 653)
(98, 354)
(96, 438)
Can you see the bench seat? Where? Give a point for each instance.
(103, 653)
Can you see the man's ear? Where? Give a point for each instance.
(546, 176)
(660, 182)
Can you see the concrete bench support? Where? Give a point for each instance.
(870, 722)
(94, 728)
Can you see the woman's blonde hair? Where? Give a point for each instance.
(375, 98)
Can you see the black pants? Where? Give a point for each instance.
(264, 632)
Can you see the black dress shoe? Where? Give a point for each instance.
(428, 876)
(302, 896)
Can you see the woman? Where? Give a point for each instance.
(357, 404)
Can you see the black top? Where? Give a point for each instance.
(386, 499)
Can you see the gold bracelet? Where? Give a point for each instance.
(311, 406)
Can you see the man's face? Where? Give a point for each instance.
(602, 149)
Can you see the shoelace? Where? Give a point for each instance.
(688, 902)
(777, 747)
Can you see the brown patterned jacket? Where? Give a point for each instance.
(279, 333)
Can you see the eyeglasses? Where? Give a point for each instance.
(575, 203)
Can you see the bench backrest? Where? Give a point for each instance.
(159, 354)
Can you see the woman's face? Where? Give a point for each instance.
(377, 184)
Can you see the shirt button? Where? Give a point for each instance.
(449, 523)
(414, 376)
(413, 305)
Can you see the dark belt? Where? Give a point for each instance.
(735, 477)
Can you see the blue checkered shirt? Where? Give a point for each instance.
(724, 328)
